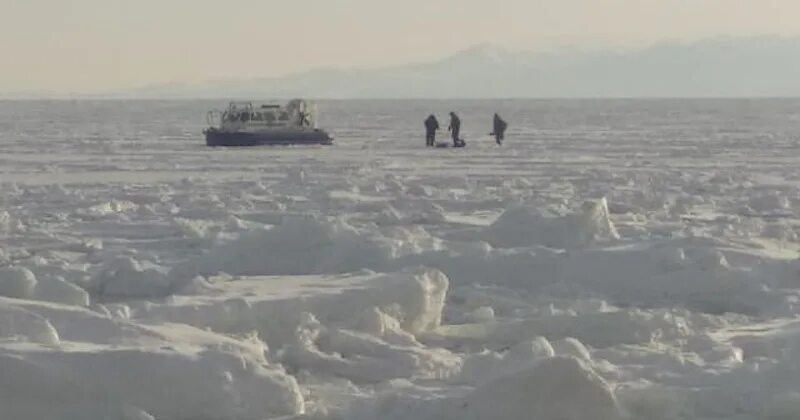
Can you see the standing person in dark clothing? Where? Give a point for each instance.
(431, 125)
(499, 131)
(455, 128)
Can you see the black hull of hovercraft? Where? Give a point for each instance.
(216, 138)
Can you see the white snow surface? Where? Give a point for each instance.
(617, 260)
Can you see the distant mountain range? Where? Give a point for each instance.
(730, 67)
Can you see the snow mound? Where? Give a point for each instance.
(598, 330)
(416, 298)
(58, 290)
(559, 388)
(68, 362)
(51, 383)
(488, 365)
(16, 282)
(519, 226)
(413, 300)
(299, 245)
(481, 314)
(197, 286)
(571, 347)
(20, 324)
(531, 350)
(362, 357)
(694, 276)
(375, 322)
(126, 277)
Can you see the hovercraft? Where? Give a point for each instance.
(244, 124)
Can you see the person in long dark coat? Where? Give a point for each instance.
(499, 129)
(455, 128)
(431, 125)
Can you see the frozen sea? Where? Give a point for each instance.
(614, 259)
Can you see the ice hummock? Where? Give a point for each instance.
(379, 280)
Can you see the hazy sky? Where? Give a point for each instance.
(91, 45)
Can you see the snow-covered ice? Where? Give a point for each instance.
(620, 260)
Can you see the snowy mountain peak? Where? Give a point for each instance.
(483, 53)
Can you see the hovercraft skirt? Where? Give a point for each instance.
(277, 138)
